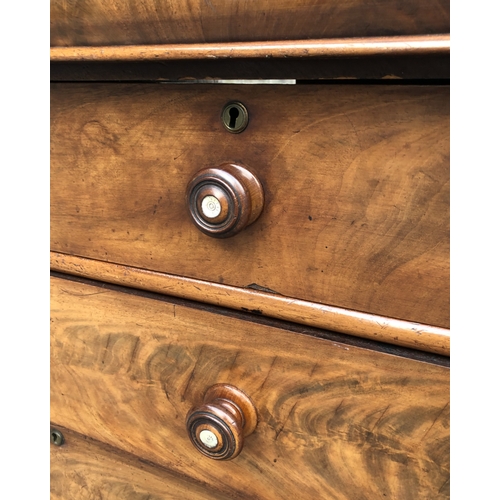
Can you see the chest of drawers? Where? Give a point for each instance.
(311, 347)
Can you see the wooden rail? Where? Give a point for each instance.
(404, 333)
(342, 47)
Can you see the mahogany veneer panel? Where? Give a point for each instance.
(334, 421)
(84, 469)
(134, 22)
(356, 182)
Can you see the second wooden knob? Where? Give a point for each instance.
(217, 427)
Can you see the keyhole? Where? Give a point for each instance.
(56, 437)
(233, 115)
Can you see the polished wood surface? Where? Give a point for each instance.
(356, 183)
(135, 22)
(86, 469)
(334, 421)
(344, 47)
(369, 326)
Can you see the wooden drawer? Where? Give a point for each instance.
(84, 469)
(356, 184)
(95, 22)
(334, 420)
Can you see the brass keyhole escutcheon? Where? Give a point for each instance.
(235, 117)
(56, 437)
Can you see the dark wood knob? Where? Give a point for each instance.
(224, 200)
(218, 426)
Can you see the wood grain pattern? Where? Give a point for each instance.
(344, 47)
(135, 22)
(85, 469)
(379, 328)
(356, 183)
(333, 421)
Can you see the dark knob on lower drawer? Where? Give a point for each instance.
(217, 428)
(224, 200)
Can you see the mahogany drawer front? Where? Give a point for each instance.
(355, 179)
(112, 22)
(84, 469)
(334, 421)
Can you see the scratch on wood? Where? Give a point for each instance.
(435, 420)
(444, 484)
(83, 294)
(104, 355)
(313, 370)
(380, 418)
(255, 286)
(168, 399)
(355, 131)
(234, 361)
(286, 420)
(134, 354)
(268, 372)
(338, 407)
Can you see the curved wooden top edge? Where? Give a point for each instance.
(342, 47)
(393, 331)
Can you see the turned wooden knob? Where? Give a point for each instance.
(224, 200)
(218, 426)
